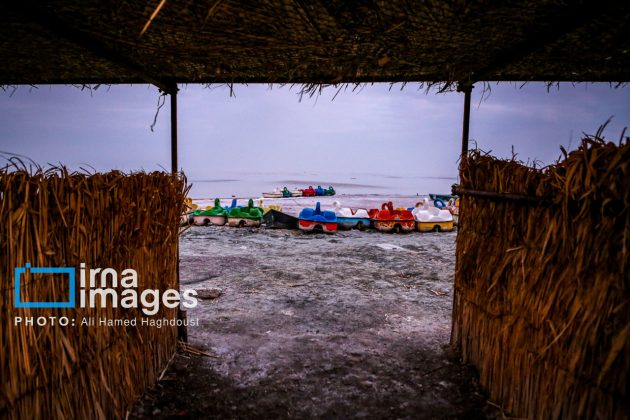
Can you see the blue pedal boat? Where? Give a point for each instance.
(316, 219)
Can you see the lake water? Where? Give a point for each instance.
(253, 185)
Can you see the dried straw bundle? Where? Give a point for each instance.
(542, 291)
(113, 220)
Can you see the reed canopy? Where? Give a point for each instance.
(320, 41)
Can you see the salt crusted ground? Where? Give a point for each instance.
(352, 325)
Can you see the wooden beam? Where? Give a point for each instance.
(30, 12)
(500, 196)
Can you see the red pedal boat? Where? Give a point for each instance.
(309, 192)
(387, 219)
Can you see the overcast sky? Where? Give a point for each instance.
(261, 130)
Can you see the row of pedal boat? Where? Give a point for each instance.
(423, 217)
(297, 192)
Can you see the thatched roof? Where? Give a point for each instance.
(312, 41)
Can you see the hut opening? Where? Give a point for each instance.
(546, 325)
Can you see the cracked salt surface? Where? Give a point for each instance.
(312, 325)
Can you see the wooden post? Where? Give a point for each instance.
(467, 89)
(182, 331)
(173, 96)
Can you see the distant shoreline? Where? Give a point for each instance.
(334, 184)
(215, 180)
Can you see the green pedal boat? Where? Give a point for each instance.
(216, 215)
(249, 216)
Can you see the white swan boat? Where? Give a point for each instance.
(430, 219)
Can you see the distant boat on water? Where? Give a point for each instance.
(443, 197)
(276, 193)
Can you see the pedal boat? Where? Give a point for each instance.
(276, 193)
(388, 220)
(317, 220)
(216, 215)
(348, 218)
(308, 192)
(266, 209)
(249, 216)
(432, 219)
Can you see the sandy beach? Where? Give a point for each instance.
(351, 325)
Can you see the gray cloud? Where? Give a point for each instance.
(270, 131)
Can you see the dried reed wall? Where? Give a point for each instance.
(105, 220)
(542, 289)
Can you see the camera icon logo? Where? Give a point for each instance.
(18, 275)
